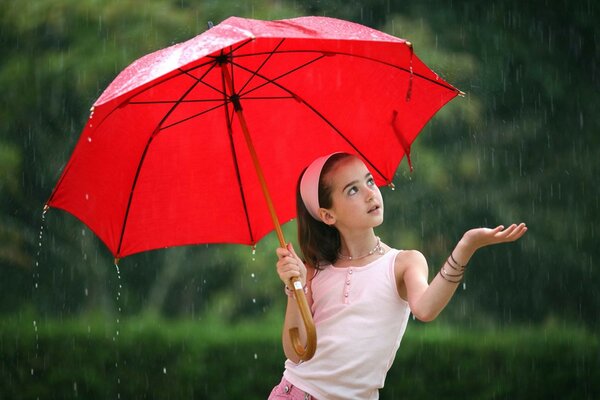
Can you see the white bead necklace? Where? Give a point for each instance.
(377, 249)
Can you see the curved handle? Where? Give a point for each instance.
(305, 353)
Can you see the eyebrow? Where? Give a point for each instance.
(354, 182)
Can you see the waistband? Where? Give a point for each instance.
(296, 393)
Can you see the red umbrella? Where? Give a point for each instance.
(163, 161)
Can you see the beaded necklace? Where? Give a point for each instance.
(377, 249)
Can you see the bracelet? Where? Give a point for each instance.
(462, 267)
(460, 270)
(448, 276)
(290, 293)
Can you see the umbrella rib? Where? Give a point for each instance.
(331, 53)
(143, 158)
(175, 101)
(167, 78)
(228, 119)
(327, 121)
(205, 83)
(269, 55)
(193, 116)
(268, 97)
(276, 78)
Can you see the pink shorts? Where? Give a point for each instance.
(287, 391)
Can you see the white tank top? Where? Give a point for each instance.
(360, 320)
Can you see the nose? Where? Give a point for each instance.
(370, 193)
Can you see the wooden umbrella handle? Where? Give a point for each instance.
(305, 353)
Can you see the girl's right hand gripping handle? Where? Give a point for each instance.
(305, 353)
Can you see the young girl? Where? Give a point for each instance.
(360, 290)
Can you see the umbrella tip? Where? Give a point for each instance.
(461, 93)
(210, 24)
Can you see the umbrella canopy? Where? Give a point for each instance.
(162, 160)
(203, 142)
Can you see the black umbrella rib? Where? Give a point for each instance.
(327, 121)
(236, 166)
(331, 53)
(268, 97)
(143, 158)
(176, 101)
(192, 116)
(216, 89)
(269, 55)
(272, 80)
(167, 78)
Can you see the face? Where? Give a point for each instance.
(356, 199)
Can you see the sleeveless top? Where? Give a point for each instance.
(360, 319)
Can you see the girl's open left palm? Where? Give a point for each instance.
(480, 237)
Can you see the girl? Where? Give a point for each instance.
(360, 290)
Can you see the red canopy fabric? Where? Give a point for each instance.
(162, 162)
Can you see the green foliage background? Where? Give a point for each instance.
(520, 146)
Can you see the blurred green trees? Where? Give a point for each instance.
(520, 146)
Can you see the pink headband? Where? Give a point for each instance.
(309, 185)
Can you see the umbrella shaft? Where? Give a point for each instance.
(261, 178)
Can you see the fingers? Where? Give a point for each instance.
(512, 233)
(289, 264)
(290, 248)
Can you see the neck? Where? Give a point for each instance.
(357, 244)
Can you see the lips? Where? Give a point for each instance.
(374, 208)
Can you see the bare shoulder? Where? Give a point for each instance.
(410, 268)
(409, 260)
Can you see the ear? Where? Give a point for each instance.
(327, 216)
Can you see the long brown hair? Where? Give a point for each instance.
(319, 242)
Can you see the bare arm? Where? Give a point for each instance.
(428, 300)
(289, 266)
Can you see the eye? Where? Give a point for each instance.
(352, 190)
(371, 182)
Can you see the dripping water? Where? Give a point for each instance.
(116, 337)
(36, 283)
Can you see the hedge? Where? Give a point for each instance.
(160, 359)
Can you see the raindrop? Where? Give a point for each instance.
(255, 356)
(89, 139)
(254, 301)
(165, 370)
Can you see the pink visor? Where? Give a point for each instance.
(309, 185)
